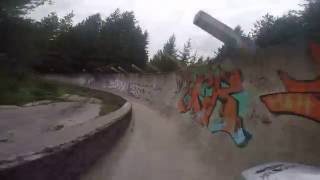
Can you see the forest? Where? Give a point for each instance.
(103, 44)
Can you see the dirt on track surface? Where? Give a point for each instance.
(153, 149)
(26, 130)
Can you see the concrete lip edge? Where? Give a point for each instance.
(103, 123)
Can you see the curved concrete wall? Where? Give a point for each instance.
(70, 159)
(282, 136)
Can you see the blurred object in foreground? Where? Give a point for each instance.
(282, 171)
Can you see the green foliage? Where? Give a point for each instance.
(238, 30)
(169, 59)
(19, 7)
(271, 30)
(200, 60)
(228, 49)
(164, 62)
(123, 41)
(310, 18)
(79, 45)
(291, 28)
(50, 25)
(185, 54)
(166, 59)
(15, 91)
(195, 60)
(54, 45)
(95, 43)
(295, 27)
(20, 41)
(66, 23)
(169, 47)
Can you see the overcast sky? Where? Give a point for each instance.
(161, 18)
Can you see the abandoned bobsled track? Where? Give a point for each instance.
(162, 143)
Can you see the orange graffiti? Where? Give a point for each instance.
(195, 93)
(206, 106)
(182, 107)
(301, 98)
(230, 105)
(302, 104)
(293, 85)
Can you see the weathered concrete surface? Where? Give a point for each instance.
(218, 29)
(27, 128)
(164, 144)
(56, 141)
(153, 148)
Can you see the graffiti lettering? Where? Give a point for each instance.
(135, 90)
(118, 84)
(202, 95)
(301, 98)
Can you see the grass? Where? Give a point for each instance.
(14, 91)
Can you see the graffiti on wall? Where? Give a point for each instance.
(216, 101)
(117, 84)
(135, 90)
(302, 97)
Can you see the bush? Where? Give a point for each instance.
(164, 63)
(14, 91)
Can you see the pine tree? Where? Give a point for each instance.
(185, 55)
(169, 47)
(166, 59)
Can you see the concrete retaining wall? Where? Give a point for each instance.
(69, 160)
(274, 136)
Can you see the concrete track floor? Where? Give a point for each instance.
(153, 149)
(163, 144)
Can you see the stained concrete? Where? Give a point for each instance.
(164, 144)
(217, 29)
(24, 129)
(79, 147)
(151, 149)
